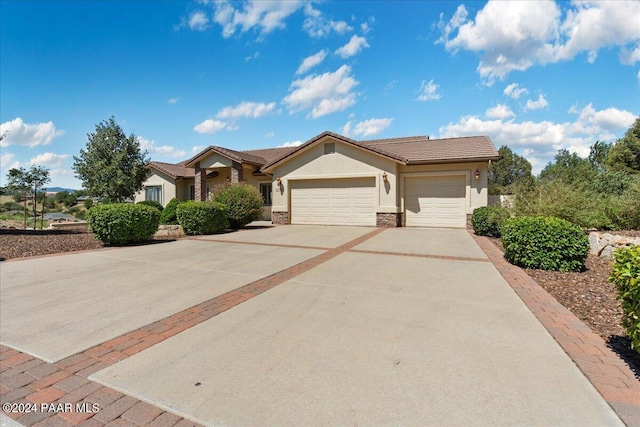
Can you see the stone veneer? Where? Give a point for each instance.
(388, 219)
(280, 218)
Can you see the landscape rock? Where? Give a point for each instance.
(604, 244)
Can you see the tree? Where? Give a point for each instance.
(569, 168)
(624, 155)
(113, 165)
(507, 171)
(28, 182)
(598, 154)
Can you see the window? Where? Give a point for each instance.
(192, 192)
(265, 190)
(329, 148)
(153, 193)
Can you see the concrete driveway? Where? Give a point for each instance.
(369, 327)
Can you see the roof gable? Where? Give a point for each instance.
(233, 155)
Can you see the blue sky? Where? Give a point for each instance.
(536, 76)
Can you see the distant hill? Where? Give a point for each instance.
(59, 189)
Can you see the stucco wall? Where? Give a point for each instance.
(165, 181)
(476, 191)
(347, 161)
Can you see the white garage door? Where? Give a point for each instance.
(333, 201)
(437, 201)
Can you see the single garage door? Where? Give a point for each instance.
(437, 201)
(333, 201)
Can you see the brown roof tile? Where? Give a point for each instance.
(270, 154)
(174, 171)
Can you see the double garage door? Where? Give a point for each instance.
(349, 201)
(435, 201)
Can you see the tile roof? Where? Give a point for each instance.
(416, 150)
(406, 150)
(174, 171)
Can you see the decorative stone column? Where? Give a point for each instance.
(237, 174)
(280, 218)
(200, 183)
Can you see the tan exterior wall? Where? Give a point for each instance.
(158, 178)
(476, 192)
(346, 162)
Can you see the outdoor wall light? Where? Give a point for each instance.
(385, 178)
(278, 181)
(477, 175)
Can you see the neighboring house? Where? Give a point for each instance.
(332, 179)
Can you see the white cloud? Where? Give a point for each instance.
(264, 16)
(516, 35)
(428, 91)
(324, 94)
(290, 144)
(367, 127)
(198, 21)
(311, 61)
(209, 126)
(270, 134)
(536, 105)
(251, 57)
(17, 132)
(196, 149)
(316, 25)
(630, 57)
(355, 45)
(173, 100)
(500, 111)
(160, 151)
(610, 119)
(515, 91)
(5, 159)
(542, 140)
(246, 109)
(49, 159)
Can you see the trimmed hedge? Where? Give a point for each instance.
(545, 243)
(626, 277)
(169, 214)
(487, 220)
(152, 203)
(123, 223)
(244, 203)
(202, 217)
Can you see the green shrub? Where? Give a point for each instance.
(546, 243)
(122, 223)
(77, 212)
(88, 203)
(487, 220)
(152, 203)
(169, 214)
(202, 217)
(626, 277)
(244, 203)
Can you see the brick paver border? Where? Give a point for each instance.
(613, 379)
(25, 379)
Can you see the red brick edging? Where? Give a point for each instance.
(27, 380)
(613, 379)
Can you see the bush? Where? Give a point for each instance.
(487, 220)
(122, 223)
(546, 243)
(77, 212)
(152, 203)
(169, 214)
(244, 203)
(626, 277)
(88, 203)
(202, 217)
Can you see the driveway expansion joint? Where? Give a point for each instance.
(612, 378)
(27, 379)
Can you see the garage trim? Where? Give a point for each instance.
(467, 192)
